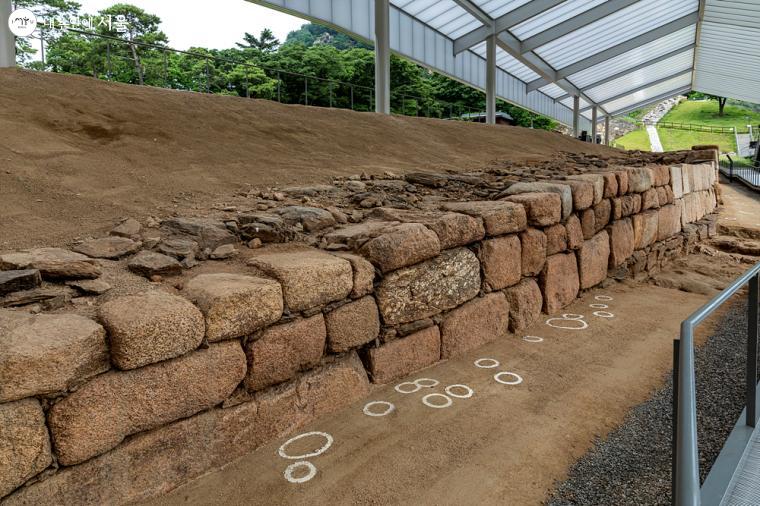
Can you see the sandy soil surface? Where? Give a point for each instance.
(77, 154)
(741, 208)
(505, 444)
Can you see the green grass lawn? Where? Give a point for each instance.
(706, 113)
(674, 140)
(638, 139)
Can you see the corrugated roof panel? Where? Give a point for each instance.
(569, 103)
(552, 17)
(647, 93)
(676, 64)
(553, 90)
(496, 8)
(507, 62)
(631, 58)
(728, 57)
(614, 29)
(446, 16)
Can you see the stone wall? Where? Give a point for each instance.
(161, 387)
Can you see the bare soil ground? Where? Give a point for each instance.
(505, 444)
(77, 154)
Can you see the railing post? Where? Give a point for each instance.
(166, 70)
(352, 97)
(674, 419)
(752, 322)
(108, 60)
(247, 87)
(730, 169)
(687, 454)
(330, 85)
(279, 82)
(208, 83)
(306, 88)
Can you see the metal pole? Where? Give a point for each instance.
(306, 88)
(42, 47)
(108, 61)
(330, 85)
(674, 420)
(166, 70)
(352, 97)
(594, 119)
(382, 57)
(491, 80)
(208, 84)
(7, 40)
(576, 115)
(687, 454)
(607, 130)
(752, 322)
(279, 82)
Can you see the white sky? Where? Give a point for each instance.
(214, 24)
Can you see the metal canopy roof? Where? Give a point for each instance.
(617, 55)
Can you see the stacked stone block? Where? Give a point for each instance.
(233, 360)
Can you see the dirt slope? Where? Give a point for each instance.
(77, 153)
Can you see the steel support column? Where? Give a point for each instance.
(607, 130)
(7, 40)
(491, 80)
(382, 57)
(594, 119)
(576, 115)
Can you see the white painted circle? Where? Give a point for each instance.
(426, 401)
(389, 408)
(518, 379)
(598, 306)
(22, 22)
(320, 451)
(583, 323)
(295, 465)
(486, 363)
(469, 390)
(603, 314)
(400, 388)
(430, 382)
(572, 316)
(533, 339)
(603, 297)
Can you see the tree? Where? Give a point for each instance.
(721, 104)
(265, 43)
(47, 11)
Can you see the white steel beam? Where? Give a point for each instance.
(607, 130)
(7, 40)
(574, 23)
(594, 122)
(576, 115)
(382, 57)
(642, 87)
(491, 80)
(619, 49)
(658, 98)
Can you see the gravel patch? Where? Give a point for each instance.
(632, 465)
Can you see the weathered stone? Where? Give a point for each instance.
(150, 263)
(333, 386)
(644, 229)
(617, 208)
(574, 232)
(352, 325)
(525, 301)
(426, 289)
(474, 324)
(583, 194)
(364, 274)
(355, 236)
(621, 241)
(598, 182)
(636, 203)
(662, 196)
(622, 180)
(559, 281)
(224, 252)
(533, 244)
(178, 247)
(640, 179)
(556, 239)
(283, 350)
(650, 199)
(16, 280)
(498, 217)
(207, 232)
(112, 406)
(150, 327)
(312, 219)
(602, 214)
(564, 191)
(452, 229)
(588, 223)
(53, 263)
(24, 443)
(111, 247)
(661, 175)
(266, 228)
(128, 228)
(676, 181)
(48, 353)
(51, 298)
(668, 221)
(309, 277)
(235, 305)
(501, 260)
(406, 355)
(427, 179)
(593, 259)
(90, 286)
(611, 186)
(543, 209)
(403, 245)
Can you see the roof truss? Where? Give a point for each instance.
(642, 87)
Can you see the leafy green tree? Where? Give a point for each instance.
(46, 11)
(265, 43)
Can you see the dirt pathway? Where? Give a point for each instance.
(741, 207)
(507, 444)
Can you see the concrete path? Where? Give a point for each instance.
(654, 139)
(742, 148)
(506, 444)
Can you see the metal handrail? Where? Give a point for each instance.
(686, 458)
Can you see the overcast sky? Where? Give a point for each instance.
(216, 25)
